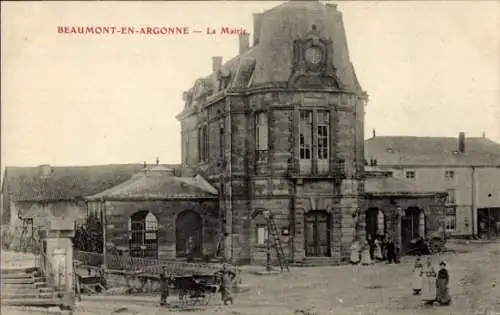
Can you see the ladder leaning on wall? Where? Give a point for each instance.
(274, 238)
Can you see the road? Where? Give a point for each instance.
(381, 289)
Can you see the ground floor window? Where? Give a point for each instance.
(451, 219)
(262, 234)
(143, 235)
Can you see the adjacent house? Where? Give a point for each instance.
(468, 169)
(46, 191)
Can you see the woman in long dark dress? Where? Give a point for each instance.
(442, 282)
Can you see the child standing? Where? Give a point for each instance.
(417, 276)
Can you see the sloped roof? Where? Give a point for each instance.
(65, 182)
(405, 150)
(271, 60)
(391, 185)
(158, 184)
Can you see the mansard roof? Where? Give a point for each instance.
(270, 61)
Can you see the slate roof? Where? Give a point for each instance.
(427, 151)
(390, 185)
(158, 184)
(271, 60)
(66, 182)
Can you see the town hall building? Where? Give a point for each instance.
(279, 127)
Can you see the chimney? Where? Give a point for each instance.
(461, 142)
(244, 42)
(45, 170)
(257, 23)
(216, 63)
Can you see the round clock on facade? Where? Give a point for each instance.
(313, 55)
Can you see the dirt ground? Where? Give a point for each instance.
(381, 289)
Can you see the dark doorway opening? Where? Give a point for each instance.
(488, 223)
(410, 227)
(189, 234)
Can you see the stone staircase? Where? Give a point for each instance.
(23, 286)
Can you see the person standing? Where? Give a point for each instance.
(365, 254)
(429, 283)
(378, 250)
(417, 276)
(391, 250)
(355, 249)
(227, 285)
(164, 289)
(442, 282)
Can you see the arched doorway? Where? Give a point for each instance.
(143, 234)
(317, 227)
(375, 223)
(188, 234)
(412, 226)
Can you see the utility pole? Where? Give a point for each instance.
(103, 223)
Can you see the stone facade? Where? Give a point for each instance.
(119, 213)
(255, 169)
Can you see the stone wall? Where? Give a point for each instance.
(119, 212)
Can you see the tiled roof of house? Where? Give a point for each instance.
(65, 182)
(404, 150)
(158, 184)
(391, 185)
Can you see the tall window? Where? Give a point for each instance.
(451, 196)
(323, 135)
(221, 140)
(203, 143)
(261, 136)
(451, 218)
(305, 135)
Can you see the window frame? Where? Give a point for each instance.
(413, 176)
(307, 121)
(451, 212)
(261, 122)
(265, 233)
(449, 174)
(325, 124)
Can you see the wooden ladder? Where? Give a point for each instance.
(274, 238)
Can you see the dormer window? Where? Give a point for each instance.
(389, 150)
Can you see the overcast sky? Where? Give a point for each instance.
(430, 68)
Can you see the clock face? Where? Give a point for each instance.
(313, 55)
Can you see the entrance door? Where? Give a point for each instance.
(410, 227)
(189, 234)
(371, 222)
(317, 234)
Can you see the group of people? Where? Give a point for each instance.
(227, 283)
(378, 248)
(432, 286)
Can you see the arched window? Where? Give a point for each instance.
(143, 234)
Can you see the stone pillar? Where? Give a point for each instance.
(59, 256)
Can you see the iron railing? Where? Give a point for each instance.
(146, 265)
